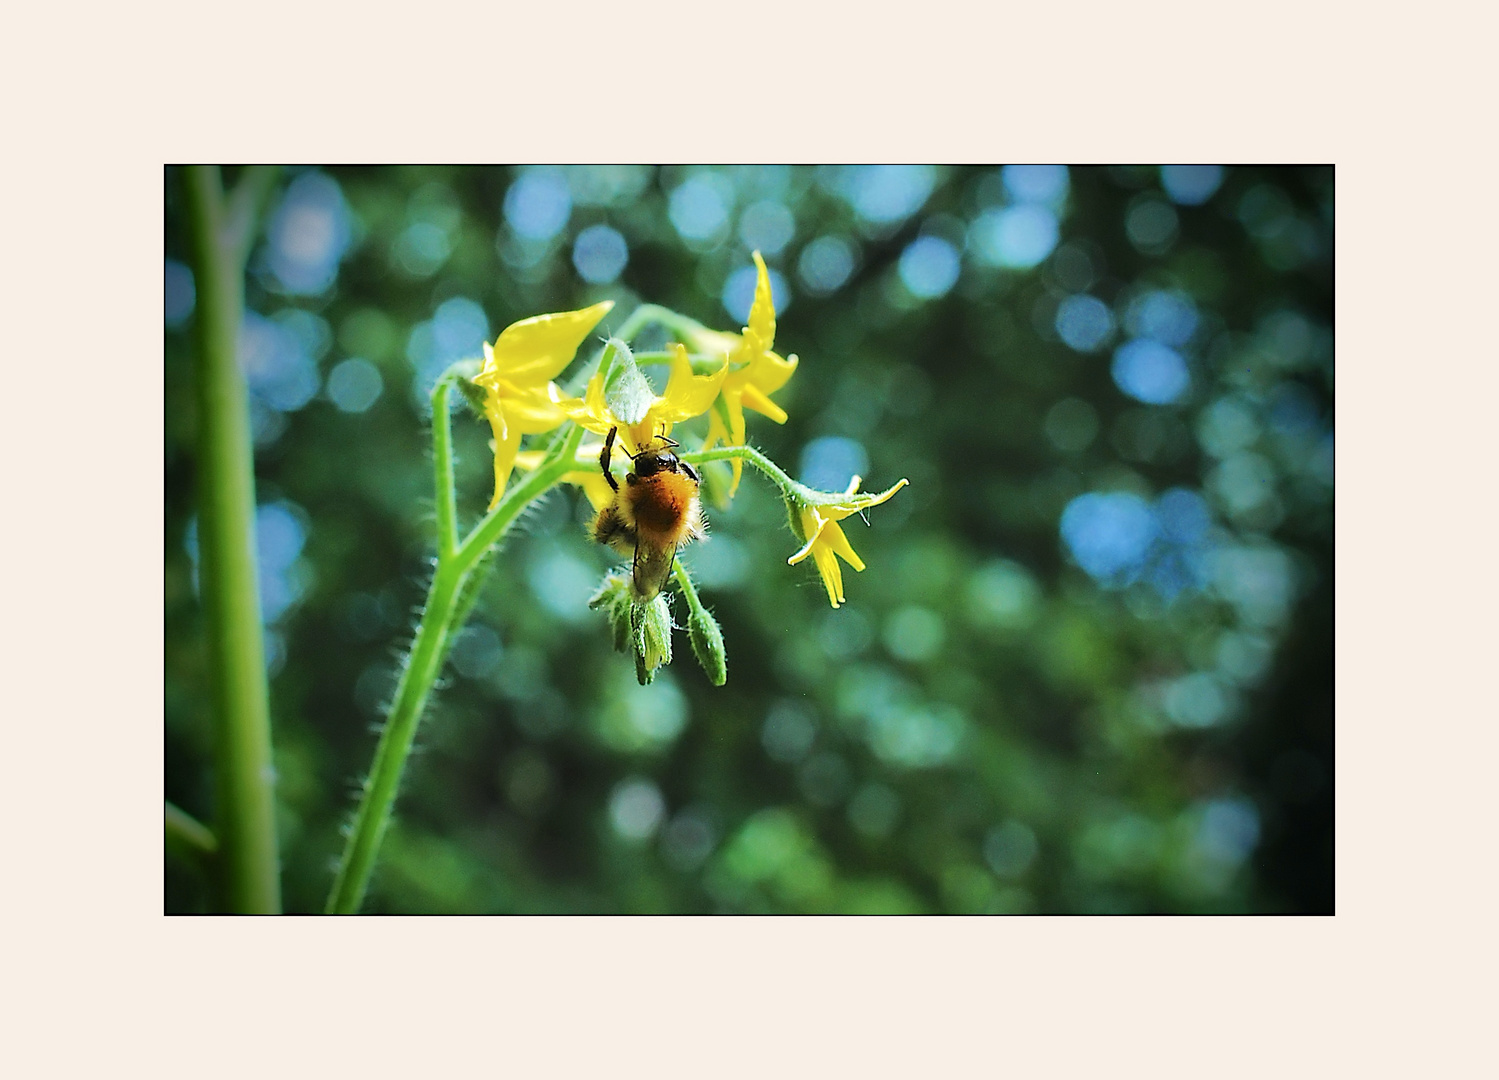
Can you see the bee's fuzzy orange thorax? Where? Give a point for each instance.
(664, 508)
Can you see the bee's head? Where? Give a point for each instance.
(657, 457)
(650, 462)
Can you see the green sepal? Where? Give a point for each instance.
(794, 517)
(613, 597)
(472, 393)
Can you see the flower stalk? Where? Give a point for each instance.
(455, 587)
(514, 391)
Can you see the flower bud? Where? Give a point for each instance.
(707, 645)
(650, 626)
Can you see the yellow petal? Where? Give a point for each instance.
(736, 419)
(599, 493)
(753, 399)
(762, 317)
(717, 433)
(833, 538)
(688, 395)
(494, 412)
(635, 437)
(812, 526)
(532, 411)
(832, 575)
(769, 372)
(589, 411)
(506, 442)
(535, 350)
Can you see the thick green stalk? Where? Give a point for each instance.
(245, 781)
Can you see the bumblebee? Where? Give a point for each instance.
(654, 513)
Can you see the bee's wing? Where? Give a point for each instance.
(652, 569)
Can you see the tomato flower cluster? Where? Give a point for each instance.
(713, 372)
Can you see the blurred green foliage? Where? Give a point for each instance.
(1088, 668)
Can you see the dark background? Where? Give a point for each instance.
(1089, 666)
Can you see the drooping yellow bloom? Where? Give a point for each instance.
(754, 371)
(825, 539)
(518, 370)
(687, 395)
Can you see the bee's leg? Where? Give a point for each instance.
(691, 472)
(604, 459)
(609, 529)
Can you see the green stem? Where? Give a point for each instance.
(801, 492)
(373, 816)
(646, 314)
(755, 458)
(688, 589)
(245, 780)
(450, 598)
(561, 459)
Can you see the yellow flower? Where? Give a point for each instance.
(517, 372)
(687, 395)
(825, 539)
(754, 371)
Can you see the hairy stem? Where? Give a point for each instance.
(428, 652)
(245, 781)
(454, 589)
(850, 500)
(751, 455)
(688, 589)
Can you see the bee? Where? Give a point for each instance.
(654, 513)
